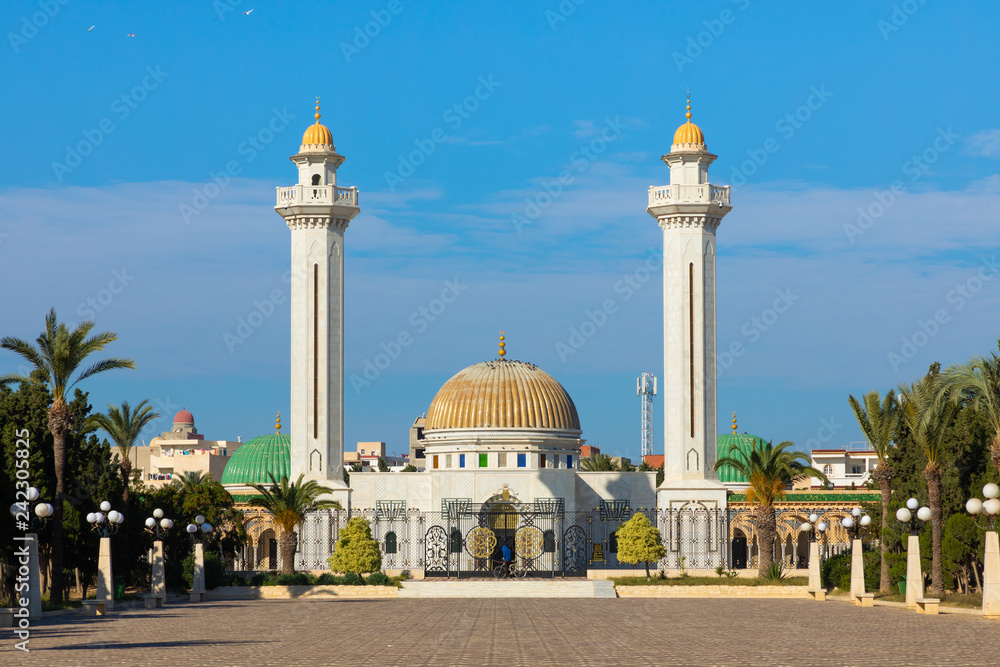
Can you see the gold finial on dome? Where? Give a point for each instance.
(317, 133)
(277, 424)
(734, 422)
(502, 352)
(689, 133)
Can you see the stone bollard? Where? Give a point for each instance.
(105, 578)
(914, 575)
(991, 576)
(857, 570)
(159, 585)
(814, 578)
(198, 575)
(34, 585)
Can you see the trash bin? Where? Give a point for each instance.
(902, 586)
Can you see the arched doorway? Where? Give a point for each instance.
(740, 554)
(502, 519)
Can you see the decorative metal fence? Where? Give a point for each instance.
(466, 540)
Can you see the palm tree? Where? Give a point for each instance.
(191, 480)
(288, 505)
(978, 382)
(56, 359)
(927, 417)
(770, 470)
(879, 419)
(124, 426)
(597, 463)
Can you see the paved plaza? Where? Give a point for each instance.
(511, 633)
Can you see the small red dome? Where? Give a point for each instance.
(184, 417)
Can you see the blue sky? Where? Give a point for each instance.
(861, 140)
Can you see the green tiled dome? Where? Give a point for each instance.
(744, 442)
(257, 457)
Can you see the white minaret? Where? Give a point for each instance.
(689, 211)
(317, 213)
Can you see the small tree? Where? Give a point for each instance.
(356, 550)
(382, 465)
(410, 468)
(640, 542)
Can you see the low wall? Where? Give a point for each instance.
(721, 591)
(694, 572)
(299, 592)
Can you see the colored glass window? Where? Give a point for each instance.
(483, 460)
(569, 461)
(461, 460)
(522, 460)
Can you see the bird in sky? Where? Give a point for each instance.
(131, 34)
(247, 13)
(91, 28)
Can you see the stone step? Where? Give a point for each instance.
(507, 589)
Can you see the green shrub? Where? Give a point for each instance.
(328, 579)
(378, 579)
(259, 579)
(297, 579)
(356, 550)
(776, 572)
(353, 579)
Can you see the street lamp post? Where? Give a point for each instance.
(914, 519)
(196, 530)
(158, 525)
(857, 524)
(105, 523)
(31, 520)
(991, 564)
(815, 528)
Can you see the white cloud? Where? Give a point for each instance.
(985, 143)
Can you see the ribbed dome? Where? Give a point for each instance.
(502, 394)
(257, 457)
(184, 417)
(745, 443)
(689, 133)
(317, 133)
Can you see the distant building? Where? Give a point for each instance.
(180, 450)
(369, 453)
(417, 443)
(851, 466)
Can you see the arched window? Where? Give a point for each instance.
(456, 541)
(828, 470)
(548, 542)
(613, 543)
(390, 543)
(316, 178)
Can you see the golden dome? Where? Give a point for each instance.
(502, 394)
(317, 133)
(689, 133)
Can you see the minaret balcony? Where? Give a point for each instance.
(700, 193)
(318, 195)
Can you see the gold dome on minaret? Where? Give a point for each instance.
(317, 133)
(689, 133)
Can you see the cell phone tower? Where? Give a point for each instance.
(645, 388)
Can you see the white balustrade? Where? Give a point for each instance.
(317, 194)
(696, 193)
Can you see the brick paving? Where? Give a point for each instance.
(511, 633)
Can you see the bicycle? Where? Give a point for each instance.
(501, 571)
